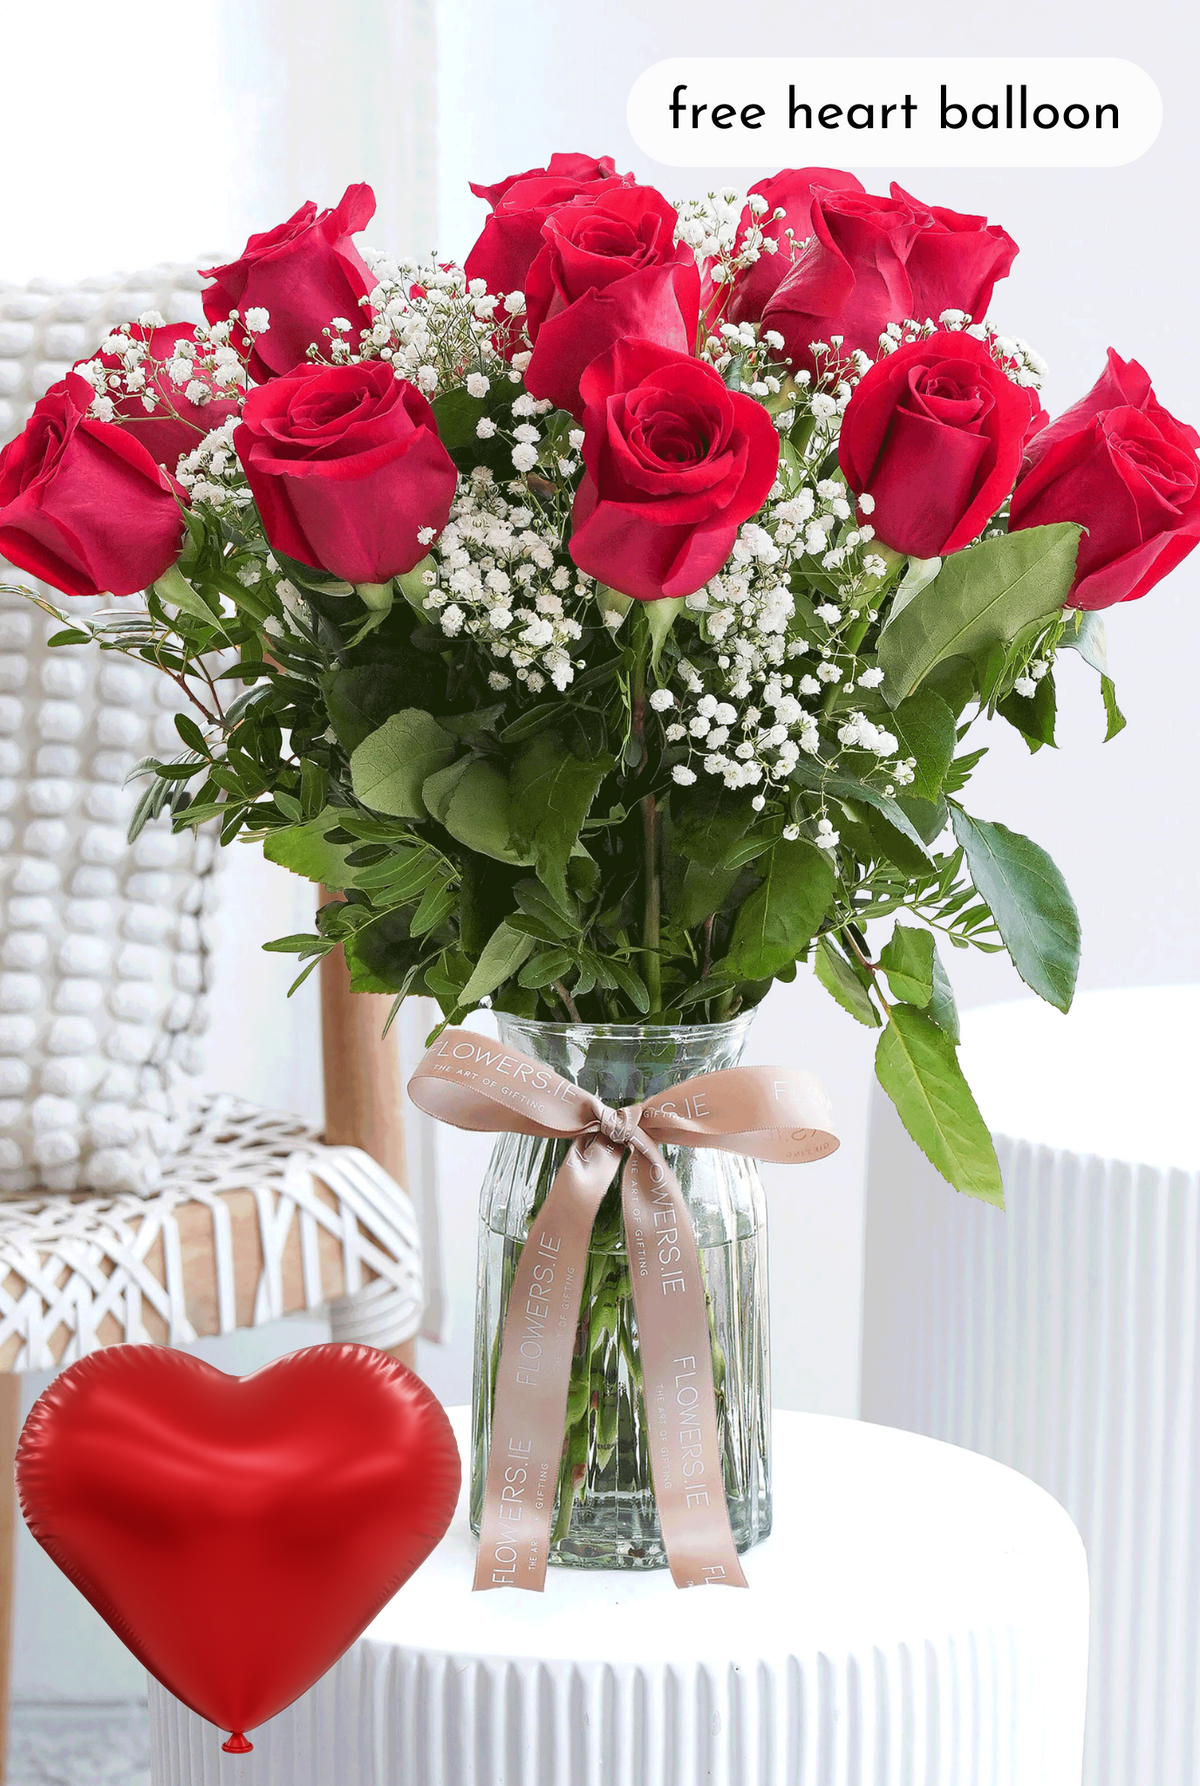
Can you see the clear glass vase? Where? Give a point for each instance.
(605, 1516)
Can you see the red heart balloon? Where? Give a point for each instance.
(238, 1533)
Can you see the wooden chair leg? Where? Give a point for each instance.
(10, 1422)
(364, 1086)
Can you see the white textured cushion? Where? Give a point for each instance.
(103, 947)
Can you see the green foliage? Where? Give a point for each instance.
(917, 1066)
(980, 598)
(1029, 901)
(603, 853)
(781, 917)
(551, 794)
(845, 981)
(307, 850)
(390, 767)
(907, 960)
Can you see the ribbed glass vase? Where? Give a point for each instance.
(605, 1511)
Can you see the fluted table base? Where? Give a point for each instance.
(918, 1615)
(1062, 1337)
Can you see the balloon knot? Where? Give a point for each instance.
(237, 1744)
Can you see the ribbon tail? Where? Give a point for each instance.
(533, 1375)
(677, 1376)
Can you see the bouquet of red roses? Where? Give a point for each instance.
(605, 618)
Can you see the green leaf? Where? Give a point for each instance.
(1029, 900)
(702, 892)
(1032, 715)
(924, 724)
(981, 596)
(781, 916)
(847, 787)
(1085, 633)
(437, 902)
(917, 1067)
(843, 984)
(630, 983)
(551, 793)
(547, 966)
(907, 960)
(942, 1006)
(660, 618)
(306, 576)
(360, 699)
(503, 953)
(1116, 719)
(471, 799)
(390, 766)
(305, 850)
(173, 587)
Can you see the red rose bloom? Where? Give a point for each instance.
(934, 433)
(675, 463)
(871, 261)
(346, 468)
(512, 235)
(609, 270)
(1121, 465)
(175, 426)
(954, 260)
(82, 503)
(790, 191)
(303, 273)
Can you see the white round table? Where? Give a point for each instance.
(1062, 1336)
(919, 1614)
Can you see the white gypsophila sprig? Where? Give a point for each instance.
(208, 367)
(437, 329)
(212, 474)
(1015, 357)
(499, 575)
(779, 649)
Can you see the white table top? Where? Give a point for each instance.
(879, 1536)
(1117, 1076)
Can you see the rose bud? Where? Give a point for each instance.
(511, 238)
(346, 467)
(934, 434)
(675, 463)
(1121, 466)
(175, 425)
(609, 270)
(82, 503)
(302, 273)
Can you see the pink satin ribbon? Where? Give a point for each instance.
(767, 1113)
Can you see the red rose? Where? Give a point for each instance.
(871, 261)
(609, 270)
(512, 235)
(1119, 464)
(82, 503)
(346, 468)
(675, 464)
(790, 191)
(303, 273)
(954, 260)
(934, 433)
(174, 426)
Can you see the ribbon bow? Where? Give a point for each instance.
(768, 1113)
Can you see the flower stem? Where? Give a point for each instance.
(652, 887)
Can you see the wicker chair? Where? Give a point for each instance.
(254, 1215)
